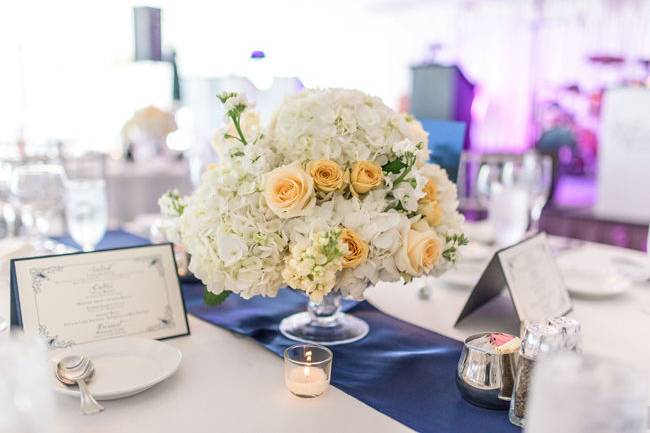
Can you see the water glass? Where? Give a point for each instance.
(584, 394)
(38, 191)
(7, 211)
(501, 187)
(537, 173)
(307, 369)
(508, 214)
(86, 211)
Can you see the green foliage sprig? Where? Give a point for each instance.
(452, 243)
(235, 114)
(214, 299)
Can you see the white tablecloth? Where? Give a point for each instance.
(228, 383)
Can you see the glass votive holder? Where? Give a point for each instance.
(307, 369)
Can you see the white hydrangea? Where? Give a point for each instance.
(409, 193)
(238, 243)
(401, 148)
(171, 206)
(341, 125)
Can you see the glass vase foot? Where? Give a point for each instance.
(324, 323)
(345, 329)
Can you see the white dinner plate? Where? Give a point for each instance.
(593, 283)
(476, 252)
(123, 366)
(465, 274)
(633, 268)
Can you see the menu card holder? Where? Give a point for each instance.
(530, 273)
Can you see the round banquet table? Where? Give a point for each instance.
(229, 383)
(134, 187)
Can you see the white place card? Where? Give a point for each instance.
(532, 277)
(82, 297)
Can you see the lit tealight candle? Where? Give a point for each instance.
(307, 369)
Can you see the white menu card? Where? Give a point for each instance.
(82, 297)
(536, 285)
(532, 277)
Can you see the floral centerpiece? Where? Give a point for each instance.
(333, 196)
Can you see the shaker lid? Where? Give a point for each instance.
(540, 336)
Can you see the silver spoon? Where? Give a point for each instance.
(76, 369)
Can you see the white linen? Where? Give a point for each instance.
(230, 383)
(226, 383)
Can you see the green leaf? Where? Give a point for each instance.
(395, 166)
(212, 299)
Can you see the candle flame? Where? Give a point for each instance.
(308, 355)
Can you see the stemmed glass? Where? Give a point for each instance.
(537, 175)
(7, 211)
(483, 176)
(502, 189)
(86, 208)
(38, 190)
(86, 211)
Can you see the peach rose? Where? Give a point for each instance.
(328, 175)
(432, 212)
(429, 207)
(431, 191)
(365, 176)
(357, 249)
(289, 191)
(419, 252)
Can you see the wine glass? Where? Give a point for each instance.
(86, 211)
(7, 211)
(466, 185)
(537, 174)
(38, 190)
(502, 190)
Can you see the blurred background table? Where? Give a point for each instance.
(134, 187)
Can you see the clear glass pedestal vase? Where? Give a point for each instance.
(324, 323)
